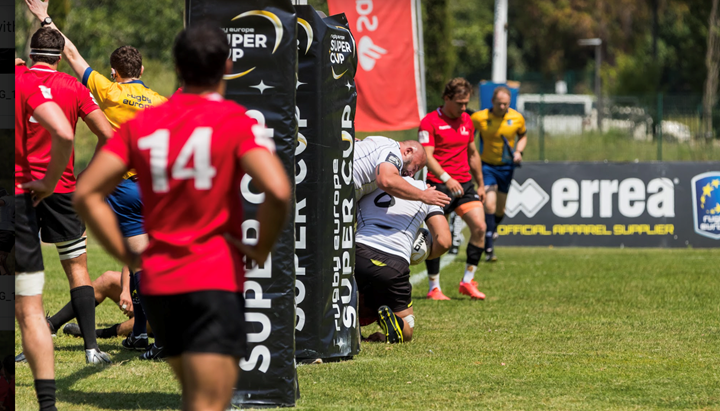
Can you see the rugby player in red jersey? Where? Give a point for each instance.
(191, 154)
(448, 136)
(59, 222)
(33, 100)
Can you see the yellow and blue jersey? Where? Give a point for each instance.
(120, 101)
(496, 133)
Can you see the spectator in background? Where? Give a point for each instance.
(447, 134)
(498, 127)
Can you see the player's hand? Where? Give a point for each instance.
(125, 303)
(517, 157)
(433, 197)
(38, 8)
(481, 193)
(19, 62)
(250, 251)
(455, 188)
(40, 189)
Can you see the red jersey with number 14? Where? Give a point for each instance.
(75, 101)
(28, 96)
(450, 137)
(187, 155)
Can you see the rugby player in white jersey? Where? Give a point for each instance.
(382, 162)
(386, 229)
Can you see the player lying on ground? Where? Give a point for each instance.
(29, 269)
(193, 268)
(382, 162)
(386, 231)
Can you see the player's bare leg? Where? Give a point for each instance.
(37, 346)
(492, 198)
(207, 380)
(475, 219)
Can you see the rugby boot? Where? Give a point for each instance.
(490, 257)
(20, 358)
(437, 295)
(72, 329)
(153, 353)
(471, 290)
(95, 356)
(390, 326)
(139, 343)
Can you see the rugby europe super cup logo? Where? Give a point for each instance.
(342, 45)
(252, 38)
(706, 204)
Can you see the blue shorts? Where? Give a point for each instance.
(126, 203)
(498, 175)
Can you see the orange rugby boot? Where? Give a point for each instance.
(437, 295)
(471, 290)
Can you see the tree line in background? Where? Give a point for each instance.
(649, 46)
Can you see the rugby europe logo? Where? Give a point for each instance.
(250, 39)
(631, 197)
(706, 204)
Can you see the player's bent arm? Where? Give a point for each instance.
(475, 163)
(521, 143)
(52, 118)
(100, 126)
(270, 178)
(100, 178)
(442, 239)
(389, 180)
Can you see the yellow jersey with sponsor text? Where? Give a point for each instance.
(120, 101)
(492, 129)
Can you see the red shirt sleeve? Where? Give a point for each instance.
(252, 135)
(86, 102)
(120, 144)
(426, 132)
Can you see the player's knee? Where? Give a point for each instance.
(71, 249)
(444, 241)
(408, 327)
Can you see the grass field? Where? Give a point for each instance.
(564, 329)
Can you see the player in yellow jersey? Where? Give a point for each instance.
(498, 127)
(119, 99)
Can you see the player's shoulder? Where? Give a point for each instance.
(480, 115)
(466, 118)
(512, 113)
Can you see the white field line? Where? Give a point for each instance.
(415, 279)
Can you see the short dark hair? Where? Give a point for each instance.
(200, 53)
(127, 61)
(46, 38)
(457, 85)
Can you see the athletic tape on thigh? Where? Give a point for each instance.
(410, 320)
(71, 249)
(29, 284)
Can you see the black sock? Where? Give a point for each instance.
(64, 316)
(433, 266)
(110, 332)
(83, 302)
(45, 390)
(498, 219)
(139, 326)
(490, 228)
(473, 254)
(158, 341)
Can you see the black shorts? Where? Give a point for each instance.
(28, 254)
(383, 282)
(459, 205)
(7, 240)
(58, 219)
(198, 322)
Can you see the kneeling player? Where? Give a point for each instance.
(385, 235)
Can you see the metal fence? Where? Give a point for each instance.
(577, 127)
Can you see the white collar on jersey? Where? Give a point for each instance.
(49, 70)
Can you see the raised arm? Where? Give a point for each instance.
(77, 62)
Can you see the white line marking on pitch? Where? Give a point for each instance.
(415, 279)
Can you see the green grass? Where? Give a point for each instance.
(574, 328)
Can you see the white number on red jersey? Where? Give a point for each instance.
(197, 147)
